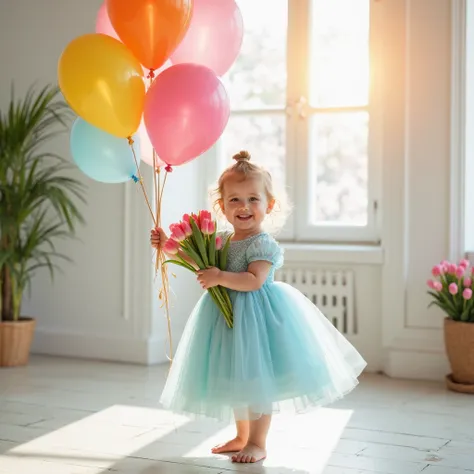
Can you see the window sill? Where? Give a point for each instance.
(333, 254)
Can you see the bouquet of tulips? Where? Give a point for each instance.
(196, 237)
(452, 290)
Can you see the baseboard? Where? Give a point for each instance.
(88, 346)
(416, 365)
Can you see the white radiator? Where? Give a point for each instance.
(332, 291)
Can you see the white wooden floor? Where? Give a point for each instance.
(62, 416)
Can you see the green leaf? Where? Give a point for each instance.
(39, 198)
(222, 304)
(198, 237)
(212, 250)
(193, 255)
(181, 264)
(224, 253)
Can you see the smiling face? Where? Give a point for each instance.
(245, 203)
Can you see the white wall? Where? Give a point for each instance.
(101, 305)
(416, 182)
(86, 312)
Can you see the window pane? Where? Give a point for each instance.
(258, 77)
(339, 67)
(263, 136)
(339, 168)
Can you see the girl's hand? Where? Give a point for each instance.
(158, 238)
(209, 277)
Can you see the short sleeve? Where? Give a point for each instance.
(267, 249)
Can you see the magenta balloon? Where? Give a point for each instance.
(214, 37)
(186, 111)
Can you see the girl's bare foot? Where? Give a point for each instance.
(232, 446)
(250, 453)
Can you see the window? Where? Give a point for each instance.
(302, 105)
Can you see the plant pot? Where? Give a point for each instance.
(15, 341)
(459, 341)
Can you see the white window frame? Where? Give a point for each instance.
(298, 227)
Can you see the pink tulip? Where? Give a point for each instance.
(467, 294)
(460, 272)
(187, 218)
(196, 219)
(437, 285)
(452, 269)
(187, 228)
(212, 227)
(173, 227)
(218, 242)
(437, 270)
(178, 234)
(205, 215)
(205, 227)
(430, 284)
(467, 282)
(171, 247)
(453, 288)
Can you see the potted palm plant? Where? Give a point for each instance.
(452, 290)
(38, 206)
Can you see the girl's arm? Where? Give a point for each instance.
(251, 280)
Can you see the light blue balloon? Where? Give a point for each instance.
(102, 156)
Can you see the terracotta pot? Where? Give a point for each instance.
(459, 341)
(15, 341)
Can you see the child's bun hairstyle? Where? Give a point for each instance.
(242, 155)
(244, 169)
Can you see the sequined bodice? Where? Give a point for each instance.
(238, 258)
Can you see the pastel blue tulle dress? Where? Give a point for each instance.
(282, 352)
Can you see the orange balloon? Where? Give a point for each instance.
(152, 29)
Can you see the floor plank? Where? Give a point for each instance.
(62, 416)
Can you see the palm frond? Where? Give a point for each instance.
(39, 200)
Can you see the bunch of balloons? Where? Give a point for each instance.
(149, 75)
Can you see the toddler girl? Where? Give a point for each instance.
(281, 349)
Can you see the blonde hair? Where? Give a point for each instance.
(247, 170)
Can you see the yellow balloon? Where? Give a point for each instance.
(103, 83)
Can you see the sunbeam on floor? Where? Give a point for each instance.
(62, 416)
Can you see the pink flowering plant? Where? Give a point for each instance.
(196, 237)
(452, 290)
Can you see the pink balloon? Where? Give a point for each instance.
(146, 148)
(186, 111)
(103, 25)
(214, 37)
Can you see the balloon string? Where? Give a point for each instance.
(163, 294)
(161, 257)
(140, 180)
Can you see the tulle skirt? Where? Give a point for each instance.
(281, 354)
